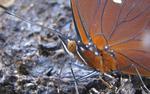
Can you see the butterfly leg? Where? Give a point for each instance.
(59, 82)
(138, 73)
(75, 81)
(110, 86)
(94, 72)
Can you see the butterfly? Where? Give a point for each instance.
(112, 35)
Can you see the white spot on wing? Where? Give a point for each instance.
(117, 1)
(90, 43)
(91, 49)
(82, 49)
(146, 40)
(96, 53)
(86, 46)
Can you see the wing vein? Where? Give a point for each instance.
(83, 23)
(133, 62)
(117, 22)
(105, 4)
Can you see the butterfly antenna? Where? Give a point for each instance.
(27, 21)
(60, 35)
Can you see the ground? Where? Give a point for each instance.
(33, 61)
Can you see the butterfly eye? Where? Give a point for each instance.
(72, 46)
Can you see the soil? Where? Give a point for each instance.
(33, 61)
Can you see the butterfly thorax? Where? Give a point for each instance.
(99, 59)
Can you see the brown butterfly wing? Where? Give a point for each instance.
(84, 12)
(125, 27)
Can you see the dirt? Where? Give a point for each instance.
(32, 58)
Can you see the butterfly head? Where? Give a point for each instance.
(69, 45)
